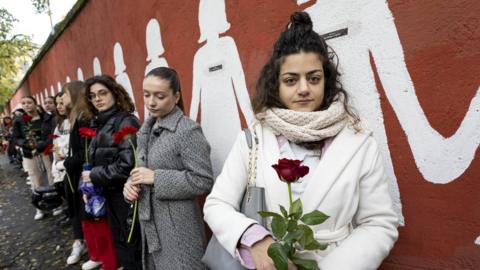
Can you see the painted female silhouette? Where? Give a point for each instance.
(67, 79)
(357, 28)
(79, 74)
(218, 83)
(153, 41)
(59, 88)
(97, 68)
(121, 75)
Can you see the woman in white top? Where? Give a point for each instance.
(302, 113)
(60, 142)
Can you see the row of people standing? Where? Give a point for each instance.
(302, 113)
(177, 148)
(104, 105)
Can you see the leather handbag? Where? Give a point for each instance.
(216, 256)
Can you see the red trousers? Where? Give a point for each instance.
(99, 240)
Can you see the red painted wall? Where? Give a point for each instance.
(440, 40)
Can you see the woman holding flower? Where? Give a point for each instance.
(303, 114)
(27, 131)
(174, 170)
(112, 160)
(78, 116)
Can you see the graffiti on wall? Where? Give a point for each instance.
(155, 50)
(371, 30)
(218, 83)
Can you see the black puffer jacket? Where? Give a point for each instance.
(49, 122)
(112, 163)
(20, 131)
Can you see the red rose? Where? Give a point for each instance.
(27, 118)
(124, 133)
(290, 170)
(87, 132)
(48, 149)
(52, 136)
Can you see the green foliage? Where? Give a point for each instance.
(14, 50)
(278, 255)
(41, 6)
(291, 235)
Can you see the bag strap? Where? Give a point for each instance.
(252, 159)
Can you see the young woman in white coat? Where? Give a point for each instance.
(302, 113)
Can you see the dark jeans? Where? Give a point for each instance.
(129, 254)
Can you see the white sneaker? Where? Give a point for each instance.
(89, 265)
(57, 211)
(78, 249)
(38, 215)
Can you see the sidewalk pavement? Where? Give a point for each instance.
(24, 242)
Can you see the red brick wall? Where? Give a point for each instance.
(440, 41)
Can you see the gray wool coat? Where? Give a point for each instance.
(170, 220)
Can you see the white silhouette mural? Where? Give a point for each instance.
(121, 75)
(153, 41)
(79, 74)
(97, 68)
(357, 28)
(218, 83)
(37, 98)
(41, 97)
(52, 91)
(68, 79)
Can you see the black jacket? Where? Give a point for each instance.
(20, 130)
(48, 127)
(74, 165)
(112, 163)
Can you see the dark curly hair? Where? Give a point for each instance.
(297, 37)
(122, 99)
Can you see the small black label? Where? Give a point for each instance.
(215, 68)
(335, 34)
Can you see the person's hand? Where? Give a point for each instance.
(260, 255)
(86, 176)
(58, 156)
(85, 199)
(142, 175)
(130, 191)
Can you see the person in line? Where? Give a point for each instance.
(175, 169)
(8, 139)
(302, 113)
(78, 116)
(49, 105)
(60, 140)
(112, 162)
(27, 131)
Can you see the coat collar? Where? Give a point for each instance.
(344, 146)
(103, 117)
(170, 121)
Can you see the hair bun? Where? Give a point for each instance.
(301, 20)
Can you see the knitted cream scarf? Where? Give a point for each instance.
(299, 127)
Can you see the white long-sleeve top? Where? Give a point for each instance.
(60, 143)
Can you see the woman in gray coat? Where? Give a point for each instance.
(174, 169)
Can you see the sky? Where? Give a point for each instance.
(36, 25)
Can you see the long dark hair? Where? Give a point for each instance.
(77, 109)
(122, 99)
(297, 37)
(172, 77)
(58, 117)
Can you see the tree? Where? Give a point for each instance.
(14, 51)
(42, 6)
